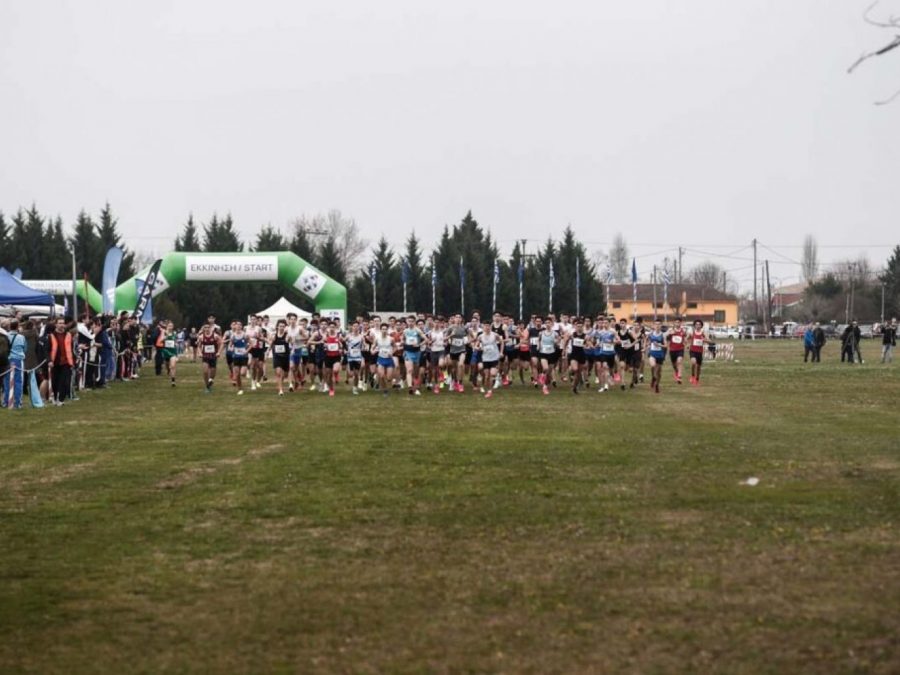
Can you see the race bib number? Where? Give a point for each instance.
(279, 349)
(332, 347)
(698, 342)
(457, 342)
(676, 339)
(385, 352)
(412, 341)
(626, 344)
(169, 344)
(607, 346)
(577, 342)
(209, 349)
(355, 352)
(547, 349)
(240, 351)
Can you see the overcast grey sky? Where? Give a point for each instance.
(702, 122)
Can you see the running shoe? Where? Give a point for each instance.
(240, 392)
(545, 389)
(437, 389)
(490, 392)
(355, 391)
(417, 392)
(281, 393)
(312, 387)
(331, 392)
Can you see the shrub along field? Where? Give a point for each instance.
(149, 529)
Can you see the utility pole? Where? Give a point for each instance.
(724, 282)
(882, 304)
(755, 286)
(680, 265)
(769, 326)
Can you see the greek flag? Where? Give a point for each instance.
(577, 273)
(433, 274)
(552, 276)
(521, 271)
(372, 273)
(404, 272)
(496, 271)
(666, 279)
(462, 273)
(609, 276)
(633, 271)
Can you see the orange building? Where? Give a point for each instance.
(689, 301)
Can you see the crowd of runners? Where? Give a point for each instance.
(438, 354)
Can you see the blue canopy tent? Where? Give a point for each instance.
(14, 292)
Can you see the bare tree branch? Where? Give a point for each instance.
(889, 99)
(891, 45)
(893, 22)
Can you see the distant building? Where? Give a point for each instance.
(785, 297)
(689, 301)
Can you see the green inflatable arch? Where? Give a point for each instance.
(328, 296)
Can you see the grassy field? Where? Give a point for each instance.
(146, 529)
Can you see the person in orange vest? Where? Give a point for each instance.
(62, 360)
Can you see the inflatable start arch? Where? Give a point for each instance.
(328, 296)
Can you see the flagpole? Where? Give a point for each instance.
(550, 284)
(494, 302)
(666, 291)
(634, 289)
(433, 292)
(520, 301)
(404, 297)
(372, 274)
(577, 287)
(608, 282)
(462, 288)
(654, 292)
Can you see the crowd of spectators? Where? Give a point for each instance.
(50, 361)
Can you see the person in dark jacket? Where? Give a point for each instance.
(819, 342)
(849, 340)
(888, 341)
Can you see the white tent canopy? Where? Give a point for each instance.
(280, 310)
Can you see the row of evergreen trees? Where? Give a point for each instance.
(40, 246)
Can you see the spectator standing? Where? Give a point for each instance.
(62, 360)
(818, 341)
(4, 346)
(14, 379)
(888, 341)
(848, 344)
(857, 335)
(809, 344)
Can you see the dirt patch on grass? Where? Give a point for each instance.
(188, 476)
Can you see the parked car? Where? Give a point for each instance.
(725, 332)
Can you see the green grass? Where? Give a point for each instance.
(145, 529)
